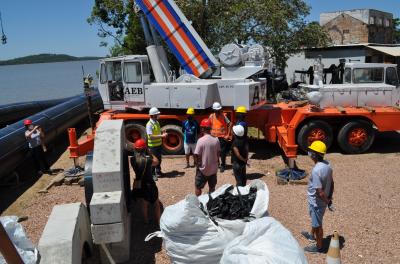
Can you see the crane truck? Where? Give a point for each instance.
(349, 112)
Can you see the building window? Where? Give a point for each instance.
(387, 22)
(379, 21)
(372, 20)
(346, 31)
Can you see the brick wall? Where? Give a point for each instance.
(345, 29)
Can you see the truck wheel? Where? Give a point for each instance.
(312, 131)
(356, 137)
(134, 131)
(173, 144)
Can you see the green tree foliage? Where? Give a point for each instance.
(396, 30)
(277, 24)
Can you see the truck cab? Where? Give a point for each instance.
(122, 80)
(362, 73)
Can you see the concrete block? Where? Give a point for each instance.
(107, 207)
(108, 157)
(66, 235)
(108, 233)
(120, 252)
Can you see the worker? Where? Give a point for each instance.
(319, 192)
(221, 128)
(240, 153)
(190, 129)
(35, 137)
(154, 140)
(206, 158)
(144, 185)
(240, 115)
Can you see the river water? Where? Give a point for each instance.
(42, 81)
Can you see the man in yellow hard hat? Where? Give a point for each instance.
(190, 130)
(240, 115)
(319, 193)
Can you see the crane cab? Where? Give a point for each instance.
(122, 80)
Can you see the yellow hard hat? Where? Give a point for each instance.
(241, 109)
(318, 146)
(190, 111)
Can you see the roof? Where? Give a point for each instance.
(369, 65)
(125, 57)
(393, 51)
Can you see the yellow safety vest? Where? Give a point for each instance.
(156, 131)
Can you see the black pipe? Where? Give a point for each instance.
(54, 121)
(11, 113)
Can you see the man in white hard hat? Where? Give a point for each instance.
(154, 139)
(221, 128)
(240, 153)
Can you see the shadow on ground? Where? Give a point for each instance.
(9, 192)
(143, 252)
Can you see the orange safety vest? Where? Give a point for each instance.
(219, 127)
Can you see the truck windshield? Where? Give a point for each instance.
(111, 72)
(368, 75)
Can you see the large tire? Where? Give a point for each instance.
(356, 137)
(312, 131)
(173, 144)
(134, 131)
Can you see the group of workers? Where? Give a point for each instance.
(209, 142)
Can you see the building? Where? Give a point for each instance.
(374, 53)
(358, 26)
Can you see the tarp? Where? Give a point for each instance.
(187, 46)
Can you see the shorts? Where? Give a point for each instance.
(316, 214)
(148, 191)
(189, 147)
(201, 180)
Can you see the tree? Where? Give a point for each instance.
(396, 30)
(277, 24)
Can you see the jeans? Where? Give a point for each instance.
(225, 148)
(239, 170)
(39, 159)
(156, 151)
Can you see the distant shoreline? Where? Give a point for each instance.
(45, 58)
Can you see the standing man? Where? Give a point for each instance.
(206, 157)
(240, 153)
(221, 128)
(190, 129)
(35, 137)
(240, 115)
(154, 140)
(319, 192)
(144, 184)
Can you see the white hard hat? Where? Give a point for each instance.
(154, 111)
(216, 106)
(238, 130)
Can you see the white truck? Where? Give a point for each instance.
(125, 82)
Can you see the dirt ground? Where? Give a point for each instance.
(366, 200)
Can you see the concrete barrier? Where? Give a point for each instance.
(66, 235)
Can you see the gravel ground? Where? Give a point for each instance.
(366, 199)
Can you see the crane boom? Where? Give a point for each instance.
(182, 39)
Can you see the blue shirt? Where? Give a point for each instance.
(320, 178)
(190, 129)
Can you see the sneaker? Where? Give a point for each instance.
(187, 166)
(308, 236)
(313, 249)
(155, 177)
(222, 169)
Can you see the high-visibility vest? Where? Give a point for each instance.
(156, 131)
(219, 127)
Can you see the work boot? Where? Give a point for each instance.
(155, 177)
(222, 168)
(313, 249)
(308, 236)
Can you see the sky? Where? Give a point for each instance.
(59, 26)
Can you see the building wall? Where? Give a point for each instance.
(303, 60)
(358, 26)
(345, 29)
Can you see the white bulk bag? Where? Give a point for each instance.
(264, 241)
